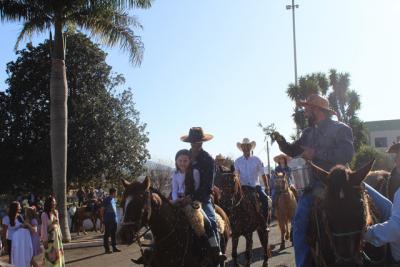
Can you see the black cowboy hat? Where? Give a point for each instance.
(196, 135)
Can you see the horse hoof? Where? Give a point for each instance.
(265, 264)
(282, 247)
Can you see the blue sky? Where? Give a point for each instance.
(225, 65)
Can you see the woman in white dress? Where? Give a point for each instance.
(21, 243)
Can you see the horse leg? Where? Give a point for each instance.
(282, 229)
(235, 242)
(263, 236)
(287, 230)
(249, 247)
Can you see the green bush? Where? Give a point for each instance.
(366, 153)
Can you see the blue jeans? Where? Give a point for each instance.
(264, 200)
(210, 223)
(302, 218)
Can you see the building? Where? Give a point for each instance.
(382, 134)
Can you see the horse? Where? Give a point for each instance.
(243, 208)
(379, 181)
(342, 211)
(83, 213)
(286, 205)
(175, 244)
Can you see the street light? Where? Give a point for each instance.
(293, 7)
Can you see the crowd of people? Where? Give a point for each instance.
(325, 143)
(26, 227)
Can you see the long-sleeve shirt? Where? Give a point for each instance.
(249, 169)
(178, 183)
(331, 140)
(204, 163)
(389, 231)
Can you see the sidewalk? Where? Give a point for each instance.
(91, 239)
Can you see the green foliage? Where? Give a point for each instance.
(336, 88)
(367, 153)
(106, 137)
(106, 20)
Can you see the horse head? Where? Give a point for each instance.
(230, 190)
(345, 211)
(281, 184)
(138, 202)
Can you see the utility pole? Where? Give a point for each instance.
(293, 8)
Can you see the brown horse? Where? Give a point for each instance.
(340, 215)
(174, 242)
(244, 211)
(379, 181)
(285, 208)
(82, 214)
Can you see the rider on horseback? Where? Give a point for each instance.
(249, 168)
(325, 143)
(204, 163)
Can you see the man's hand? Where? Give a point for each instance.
(308, 153)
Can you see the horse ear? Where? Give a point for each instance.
(319, 173)
(359, 175)
(125, 183)
(232, 168)
(146, 183)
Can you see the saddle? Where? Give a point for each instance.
(195, 217)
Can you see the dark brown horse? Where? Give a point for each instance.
(340, 215)
(174, 242)
(244, 211)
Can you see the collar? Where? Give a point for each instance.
(322, 124)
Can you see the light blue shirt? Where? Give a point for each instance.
(389, 231)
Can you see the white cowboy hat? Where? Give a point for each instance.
(246, 141)
(219, 157)
(282, 156)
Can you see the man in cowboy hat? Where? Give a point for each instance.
(249, 169)
(394, 178)
(220, 169)
(325, 143)
(204, 163)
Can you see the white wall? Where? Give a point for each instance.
(390, 135)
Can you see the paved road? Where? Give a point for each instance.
(94, 256)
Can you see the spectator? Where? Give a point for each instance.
(13, 222)
(51, 235)
(109, 211)
(32, 223)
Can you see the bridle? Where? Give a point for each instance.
(234, 202)
(146, 213)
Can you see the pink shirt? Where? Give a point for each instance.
(45, 224)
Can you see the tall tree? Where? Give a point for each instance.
(105, 19)
(106, 137)
(336, 88)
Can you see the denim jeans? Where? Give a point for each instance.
(210, 223)
(302, 218)
(264, 199)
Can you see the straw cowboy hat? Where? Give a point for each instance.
(219, 157)
(246, 141)
(317, 101)
(196, 135)
(395, 148)
(282, 156)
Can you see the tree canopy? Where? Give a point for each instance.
(335, 87)
(106, 137)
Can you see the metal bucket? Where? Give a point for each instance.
(301, 173)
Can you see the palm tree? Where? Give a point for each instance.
(106, 20)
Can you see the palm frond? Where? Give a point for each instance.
(111, 27)
(35, 25)
(133, 3)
